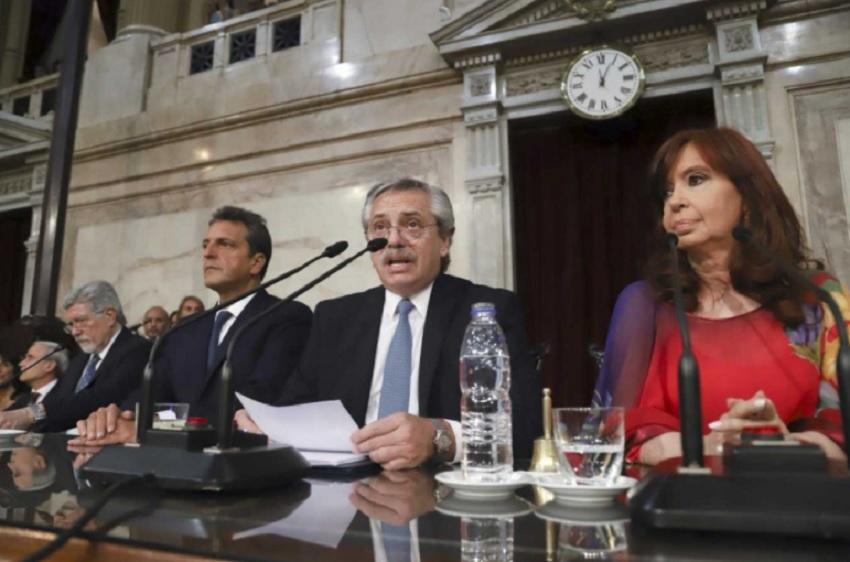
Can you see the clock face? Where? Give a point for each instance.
(602, 83)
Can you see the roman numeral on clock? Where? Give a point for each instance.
(582, 97)
(625, 90)
(591, 104)
(628, 77)
(603, 105)
(600, 58)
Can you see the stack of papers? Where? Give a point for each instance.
(320, 431)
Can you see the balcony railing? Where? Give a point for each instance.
(35, 99)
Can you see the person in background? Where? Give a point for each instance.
(13, 393)
(189, 305)
(766, 348)
(155, 322)
(42, 375)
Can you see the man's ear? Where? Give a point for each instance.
(258, 261)
(50, 365)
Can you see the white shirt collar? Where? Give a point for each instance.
(236, 308)
(419, 300)
(44, 390)
(102, 354)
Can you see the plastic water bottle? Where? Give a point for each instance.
(485, 409)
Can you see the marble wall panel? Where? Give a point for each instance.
(149, 247)
(373, 27)
(819, 115)
(219, 154)
(115, 80)
(787, 42)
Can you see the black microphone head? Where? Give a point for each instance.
(671, 239)
(742, 234)
(335, 249)
(377, 244)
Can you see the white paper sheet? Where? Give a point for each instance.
(322, 519)
(321, 431)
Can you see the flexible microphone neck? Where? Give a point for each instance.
(146, 406)
(225, 428)
(42, 358)
(745, 236)
(690, 404)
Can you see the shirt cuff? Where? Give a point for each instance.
(455, 425)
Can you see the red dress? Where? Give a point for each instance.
(737, 356)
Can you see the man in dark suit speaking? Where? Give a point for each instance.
(109, 368)
(236, 252)
(391, 353)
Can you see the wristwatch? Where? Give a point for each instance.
(37, 411)
(442, 441)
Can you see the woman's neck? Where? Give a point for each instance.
(717, 298)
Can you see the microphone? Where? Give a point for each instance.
(225, 429)
(43, 357)
(690, 406)
(745, 236)
(146, 406)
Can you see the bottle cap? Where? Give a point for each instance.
(483, 309)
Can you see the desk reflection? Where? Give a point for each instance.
(390, 516)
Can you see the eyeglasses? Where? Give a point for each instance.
(411, 229)
(78, 322)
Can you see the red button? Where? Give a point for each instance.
(197, 420)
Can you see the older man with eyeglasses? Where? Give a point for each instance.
(107, 371)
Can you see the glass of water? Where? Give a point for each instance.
(590, 442)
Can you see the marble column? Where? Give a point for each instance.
(39, 175)
(740, 98)
(14, 26)
(486, 137)
(166, 16)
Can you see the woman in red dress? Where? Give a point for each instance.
(766, 349)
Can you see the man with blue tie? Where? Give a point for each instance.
(107, 371)
(390, 354)
(236, 251)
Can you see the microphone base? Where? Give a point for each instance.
(179, 469)
(800, 504)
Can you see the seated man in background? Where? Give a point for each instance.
(236, 253)
(155, 322)
(107, 371)
(42, 375)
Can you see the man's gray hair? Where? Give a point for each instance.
(100, 295)
(60, 357)
(441, 206)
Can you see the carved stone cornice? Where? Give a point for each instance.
(477, 59)
(717, 11)
(632, 40)
(15, 184)
(478, 186)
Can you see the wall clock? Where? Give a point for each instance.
(603, 82)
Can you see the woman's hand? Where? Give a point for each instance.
(832, 450)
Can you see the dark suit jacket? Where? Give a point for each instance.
(119, 374)
(340, 356)
(264, 357)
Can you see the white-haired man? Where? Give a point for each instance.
(108, 370)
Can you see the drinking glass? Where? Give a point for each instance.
(170, 415)
(590, 444)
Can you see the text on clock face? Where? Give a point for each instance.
(602, 81)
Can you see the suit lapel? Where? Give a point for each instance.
(365, 325)
(111, 357)
(441, 310)
(256, 306)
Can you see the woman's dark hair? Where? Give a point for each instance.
(766, 212)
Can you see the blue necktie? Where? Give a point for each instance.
(88, 373)
(221, 317)
(396, 540)
(395, 390)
